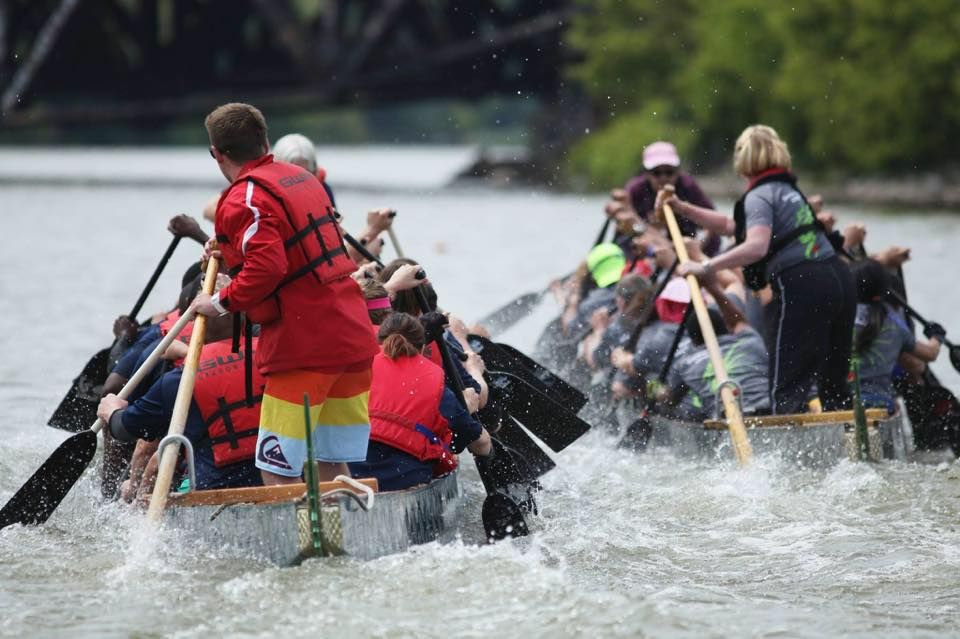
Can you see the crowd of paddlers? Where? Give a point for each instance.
(804, 315)
(305, 346)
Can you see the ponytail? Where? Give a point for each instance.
(396, 345)
(401, 336)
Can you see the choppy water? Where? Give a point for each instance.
(625, 545)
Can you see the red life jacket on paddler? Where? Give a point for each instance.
(167, 323)
(316, 317)
(220, 395)
(404, 410)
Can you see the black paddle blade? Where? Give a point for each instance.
(955, 356)
(637, 436)
(539, 376)
(39, 497)
(530, 459)
(78, 409)
(511, 312)
(502, 518)
(553, 424)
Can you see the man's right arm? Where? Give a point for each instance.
(257, 232)
(149, 416)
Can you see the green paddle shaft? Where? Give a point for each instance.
(860, 415)
(313, 496)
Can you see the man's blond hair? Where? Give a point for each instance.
(760, 149)
(238, 130)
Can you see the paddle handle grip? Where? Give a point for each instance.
(738, 432)
(151, 360)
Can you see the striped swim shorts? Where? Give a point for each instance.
(338, 410)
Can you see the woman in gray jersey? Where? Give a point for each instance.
(692, 382)
(810, 319)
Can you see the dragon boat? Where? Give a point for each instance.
(275, 523)
(808, 439)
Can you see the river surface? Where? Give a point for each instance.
(625, 546)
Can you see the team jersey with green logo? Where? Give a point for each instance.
(779, 206)
(744, 357)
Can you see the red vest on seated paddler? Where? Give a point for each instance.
(405, 409)
(220, 394)
(167, 323)
(277, 232)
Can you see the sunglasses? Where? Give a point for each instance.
(668, 172)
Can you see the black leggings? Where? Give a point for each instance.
(810, 333)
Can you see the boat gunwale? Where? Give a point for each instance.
(259, 494)
(802, 420)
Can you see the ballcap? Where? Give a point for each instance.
(673, 301)
(606, 262)
(660, 154)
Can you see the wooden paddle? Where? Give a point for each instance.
(39, 497)
(79, 405)
(738, 433)
(181, 405)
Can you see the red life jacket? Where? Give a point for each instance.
(404, 410)
(312, 241)
(167, 323)
(316, 317)
(220, 395)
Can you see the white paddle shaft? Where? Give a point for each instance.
(151, 361)
(181, 406)
(396, 244)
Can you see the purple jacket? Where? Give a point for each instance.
(643, 198)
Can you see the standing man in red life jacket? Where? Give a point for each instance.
(277, 233)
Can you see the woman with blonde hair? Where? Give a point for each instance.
(779, 242)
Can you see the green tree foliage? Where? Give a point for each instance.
(853, 85)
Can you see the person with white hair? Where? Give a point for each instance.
(295, 148)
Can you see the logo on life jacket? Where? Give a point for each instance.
(271, 453)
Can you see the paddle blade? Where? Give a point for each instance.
(503, 357)
(78, 409)
(553, 424)
(511, 312)
(531, 460)
(39, 497)
(502, 518)
(637, 436)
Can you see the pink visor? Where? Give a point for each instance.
(376, 303)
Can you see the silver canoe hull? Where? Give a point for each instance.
(280, 532)
(806, 444)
